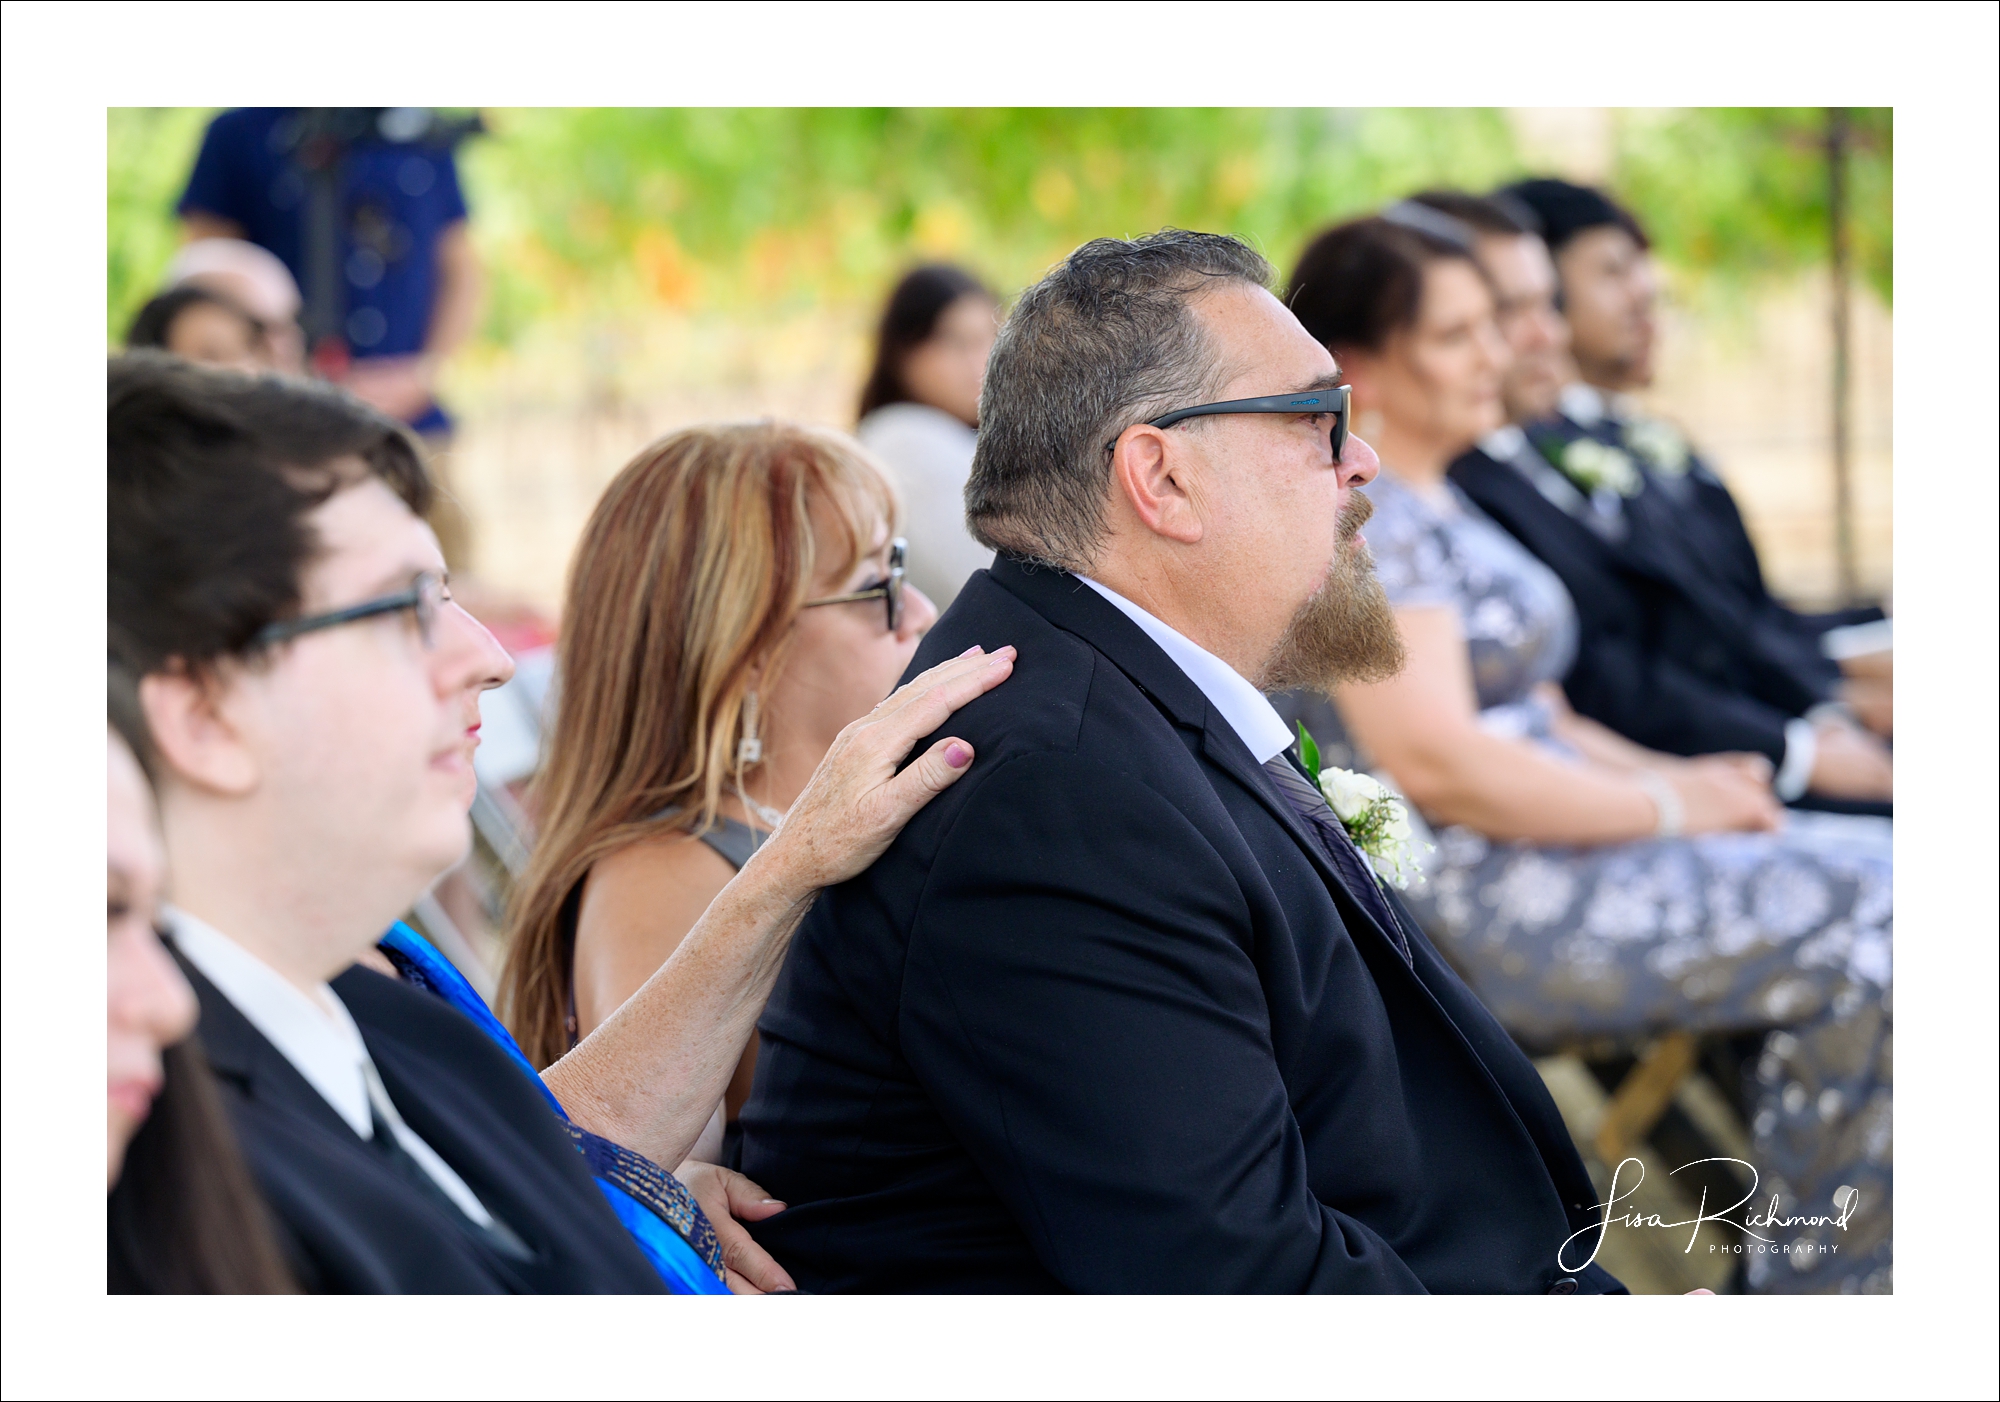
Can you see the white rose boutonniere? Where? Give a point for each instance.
(1660, 444)
(1591, 465)
(1373, 816)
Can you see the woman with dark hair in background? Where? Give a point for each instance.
(197, 324)
(184, 1216)
(1585, 886)
(920, 413)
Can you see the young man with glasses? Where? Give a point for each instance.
(1128, 1011)
(313, 697)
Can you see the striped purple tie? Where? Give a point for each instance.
(1353, 869)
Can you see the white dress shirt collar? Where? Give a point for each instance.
(317, 1035)
(1255, 721)
(1505, 443)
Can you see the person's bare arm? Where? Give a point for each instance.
(1423, 727)
(1607, 749)
(460, 296)
(649, 1077)
(638, 905)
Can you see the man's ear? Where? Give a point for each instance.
(1155, 475)
(197, 740)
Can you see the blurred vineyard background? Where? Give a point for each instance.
(654, 267)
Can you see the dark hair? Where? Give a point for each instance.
(128, 717)
(1566, 210)
(212, 474)
(186, 1217)
(154, 324)
(1359, 282)
(910, 319)
(1489, 214)
(1106, 340)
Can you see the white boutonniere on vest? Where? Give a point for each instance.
(1372, 814)
(1595, 466)
(1660, 445)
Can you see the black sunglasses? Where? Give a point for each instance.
(424, 598)
(889, 590)
(1337, 402)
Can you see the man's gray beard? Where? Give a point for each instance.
(1346, 632)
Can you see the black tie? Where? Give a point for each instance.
(496, 1234)
(1348, 863)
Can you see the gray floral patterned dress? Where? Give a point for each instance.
(1786, 931)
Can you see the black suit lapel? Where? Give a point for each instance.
(238, 1052)
(1226, 750)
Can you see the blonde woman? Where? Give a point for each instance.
(737, 599)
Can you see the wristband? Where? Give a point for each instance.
(1667, 800)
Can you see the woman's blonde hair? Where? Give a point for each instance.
(688, 577)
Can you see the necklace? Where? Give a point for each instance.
(769, 817)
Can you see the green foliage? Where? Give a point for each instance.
(149, 151)
(720, 208)
(1741, 192)
(604, 213)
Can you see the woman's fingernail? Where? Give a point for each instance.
(971, 650)
(957, 755)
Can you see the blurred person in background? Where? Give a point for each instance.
(206, 327)
(254, 279)
(363, 207)
(1610, 294)
(1665, 657)
(311, 690)
(736, 602)
(1585, 886)
(183, 1216)
(920, 415)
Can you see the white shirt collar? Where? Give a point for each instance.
(317, 1035)
(1255, 721)
(1505, 443)
(1581, 403)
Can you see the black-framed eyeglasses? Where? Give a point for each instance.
(889, 590)
(1337, 401)
(424, 597)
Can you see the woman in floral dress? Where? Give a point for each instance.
(1587, 887)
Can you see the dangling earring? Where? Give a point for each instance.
(749, 749)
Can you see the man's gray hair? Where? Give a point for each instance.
(1107, 340)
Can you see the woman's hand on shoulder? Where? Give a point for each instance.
(857, 802)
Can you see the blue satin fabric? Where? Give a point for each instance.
(654, 1206)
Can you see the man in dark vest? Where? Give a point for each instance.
(1682, 649)
(1127, 1010)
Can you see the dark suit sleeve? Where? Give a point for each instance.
(1081, 1004)
(1654, 701)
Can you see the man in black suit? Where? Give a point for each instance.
(1676, 650)
(1126, 1010)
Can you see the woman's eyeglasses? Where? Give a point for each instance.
(1337, 402)
(889, 590)
(424, 598)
